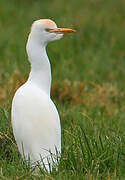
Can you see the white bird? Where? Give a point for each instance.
(35, 119)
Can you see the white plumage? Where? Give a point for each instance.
(35, 119)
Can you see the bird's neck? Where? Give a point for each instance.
(40, 66)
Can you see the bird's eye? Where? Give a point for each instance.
(47, 29)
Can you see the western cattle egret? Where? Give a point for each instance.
(35, 119)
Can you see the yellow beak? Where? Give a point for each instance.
(62, 30)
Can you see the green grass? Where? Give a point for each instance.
(88, 85)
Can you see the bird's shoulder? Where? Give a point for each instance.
(28, 92)
(29, 98)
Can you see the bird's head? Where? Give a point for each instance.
(45, 30)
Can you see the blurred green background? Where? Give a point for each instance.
(95, 52)
(88, 70)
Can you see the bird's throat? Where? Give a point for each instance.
(40, 73)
